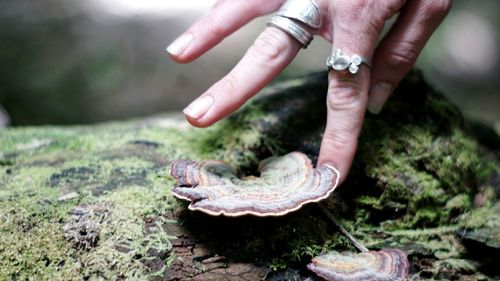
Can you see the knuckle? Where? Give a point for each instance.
(252, 3)
(253, 6)
(339, 139)
(213, 26)
(268, 47)
(343, 98)
(390, 8)
(259, 7)
(353, 10)
(249, 3)
(355, 6)
(356, 11)
(397, 4)
(439, 7)
(401, 57)
(229, 84)
(219, 3)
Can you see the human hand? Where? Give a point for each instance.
(353, 26)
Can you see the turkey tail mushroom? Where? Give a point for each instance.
(285, 184)
(383, 265)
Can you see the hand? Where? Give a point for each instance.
(354, 26)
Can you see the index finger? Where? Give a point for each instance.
(271, 52)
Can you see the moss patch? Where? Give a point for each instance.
(119, 180)
(418, 179)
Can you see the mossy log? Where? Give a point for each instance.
(94, 202)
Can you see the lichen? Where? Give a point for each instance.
(126, 241)
(418, 178)
(109, 171)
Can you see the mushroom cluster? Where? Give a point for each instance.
(285, 184)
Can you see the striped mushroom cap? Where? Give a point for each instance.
(285, 184)
(384, 265)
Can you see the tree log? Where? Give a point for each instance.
(94, 202)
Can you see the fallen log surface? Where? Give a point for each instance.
(95, 202)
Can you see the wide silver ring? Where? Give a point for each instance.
(293, 28)
(340, 62)
(305, 11)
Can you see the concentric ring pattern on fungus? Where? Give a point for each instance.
(384, 265)
(285, 184)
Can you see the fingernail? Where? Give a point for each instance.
(378, 95)
(329, 165)
(199, 107)
(180, 44)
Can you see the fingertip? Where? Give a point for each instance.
(330, 165)
(184, 58)
(379, 93)
(197, 110)
(178, 48)
(340, 163)
(198, 123)
(178, 59)
(341, 176)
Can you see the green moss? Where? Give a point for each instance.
(233, 140)
(411, 187)
(115, 169)
(125, 241)
(420, 168)
(281, 118)
(487, 216)
(32, 241)
(40, 252)
(458, 205)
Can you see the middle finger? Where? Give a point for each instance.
(356, 28)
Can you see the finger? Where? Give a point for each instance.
(398, 51)
(222, 20)
(272, 51)
(355, 31)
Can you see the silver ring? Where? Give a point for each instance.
(305, 11)
(340, 62)
(293, 28)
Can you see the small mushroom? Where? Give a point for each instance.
(285, 184)
(383, 265)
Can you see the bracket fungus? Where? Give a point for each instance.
(285, 184)
(383, 265)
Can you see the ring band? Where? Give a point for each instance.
(293, 28)
(296, 17)
(304, 11)
(340, 62)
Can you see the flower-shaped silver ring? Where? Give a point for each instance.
(340, 62)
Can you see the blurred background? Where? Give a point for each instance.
(78, 62)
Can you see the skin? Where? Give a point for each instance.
(354, 26)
